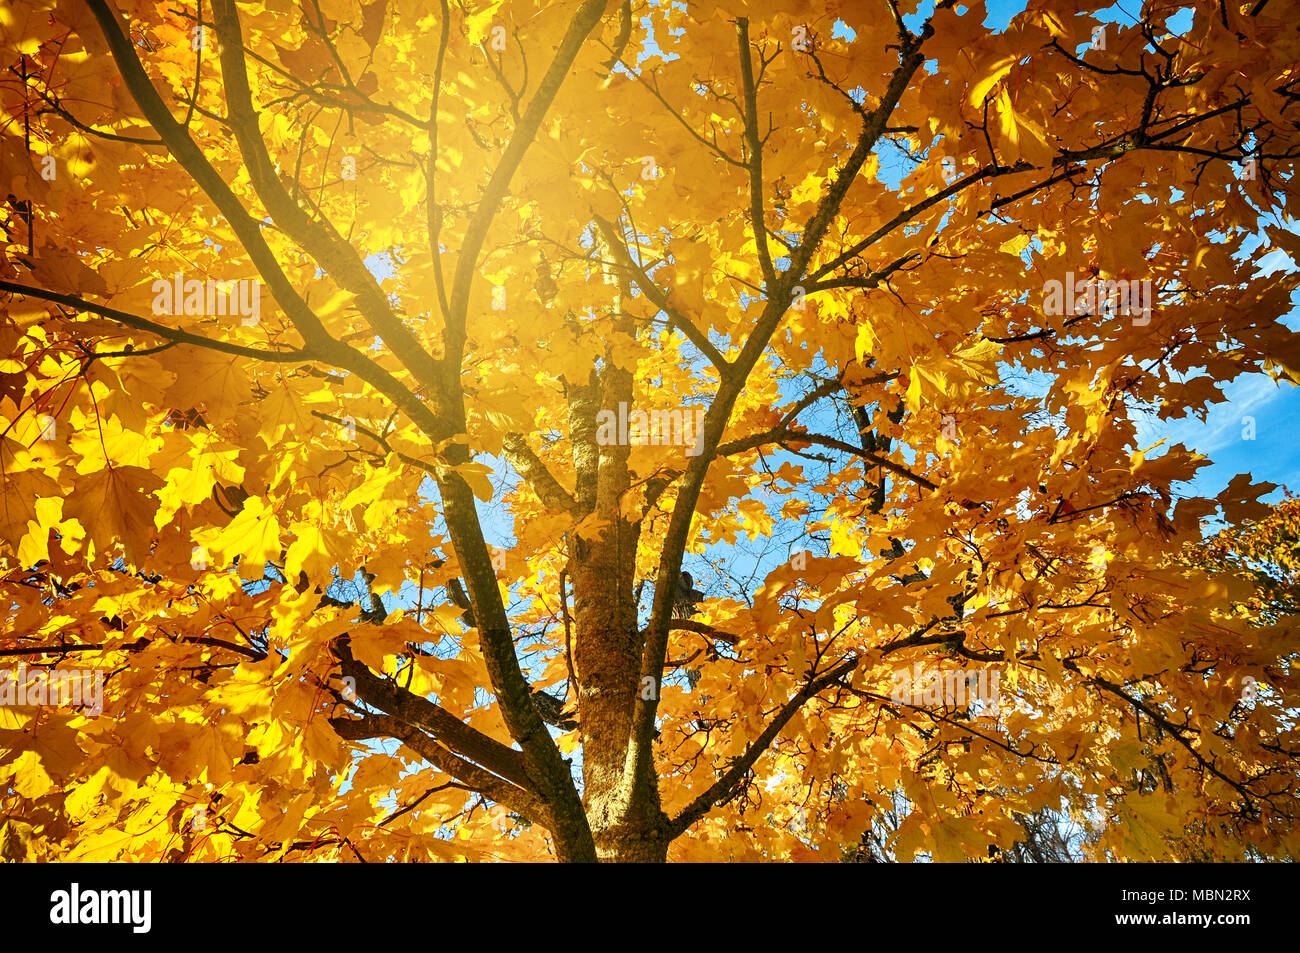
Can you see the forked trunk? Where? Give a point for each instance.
(626, 821)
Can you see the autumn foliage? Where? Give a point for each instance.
(313, 317)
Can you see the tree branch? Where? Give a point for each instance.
(583, 22)
(519, 800)
(144, 324)
(659, 298)
(655, 652)
(446, 728)
(318, 237)
(318, 341)
(539, 477)
(754, 159)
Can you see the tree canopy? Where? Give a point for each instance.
(374, 370)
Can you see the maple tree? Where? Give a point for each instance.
(326, 328)
(1264, 555)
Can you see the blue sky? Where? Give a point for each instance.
(1272, 454)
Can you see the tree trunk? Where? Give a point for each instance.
(626, 821)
